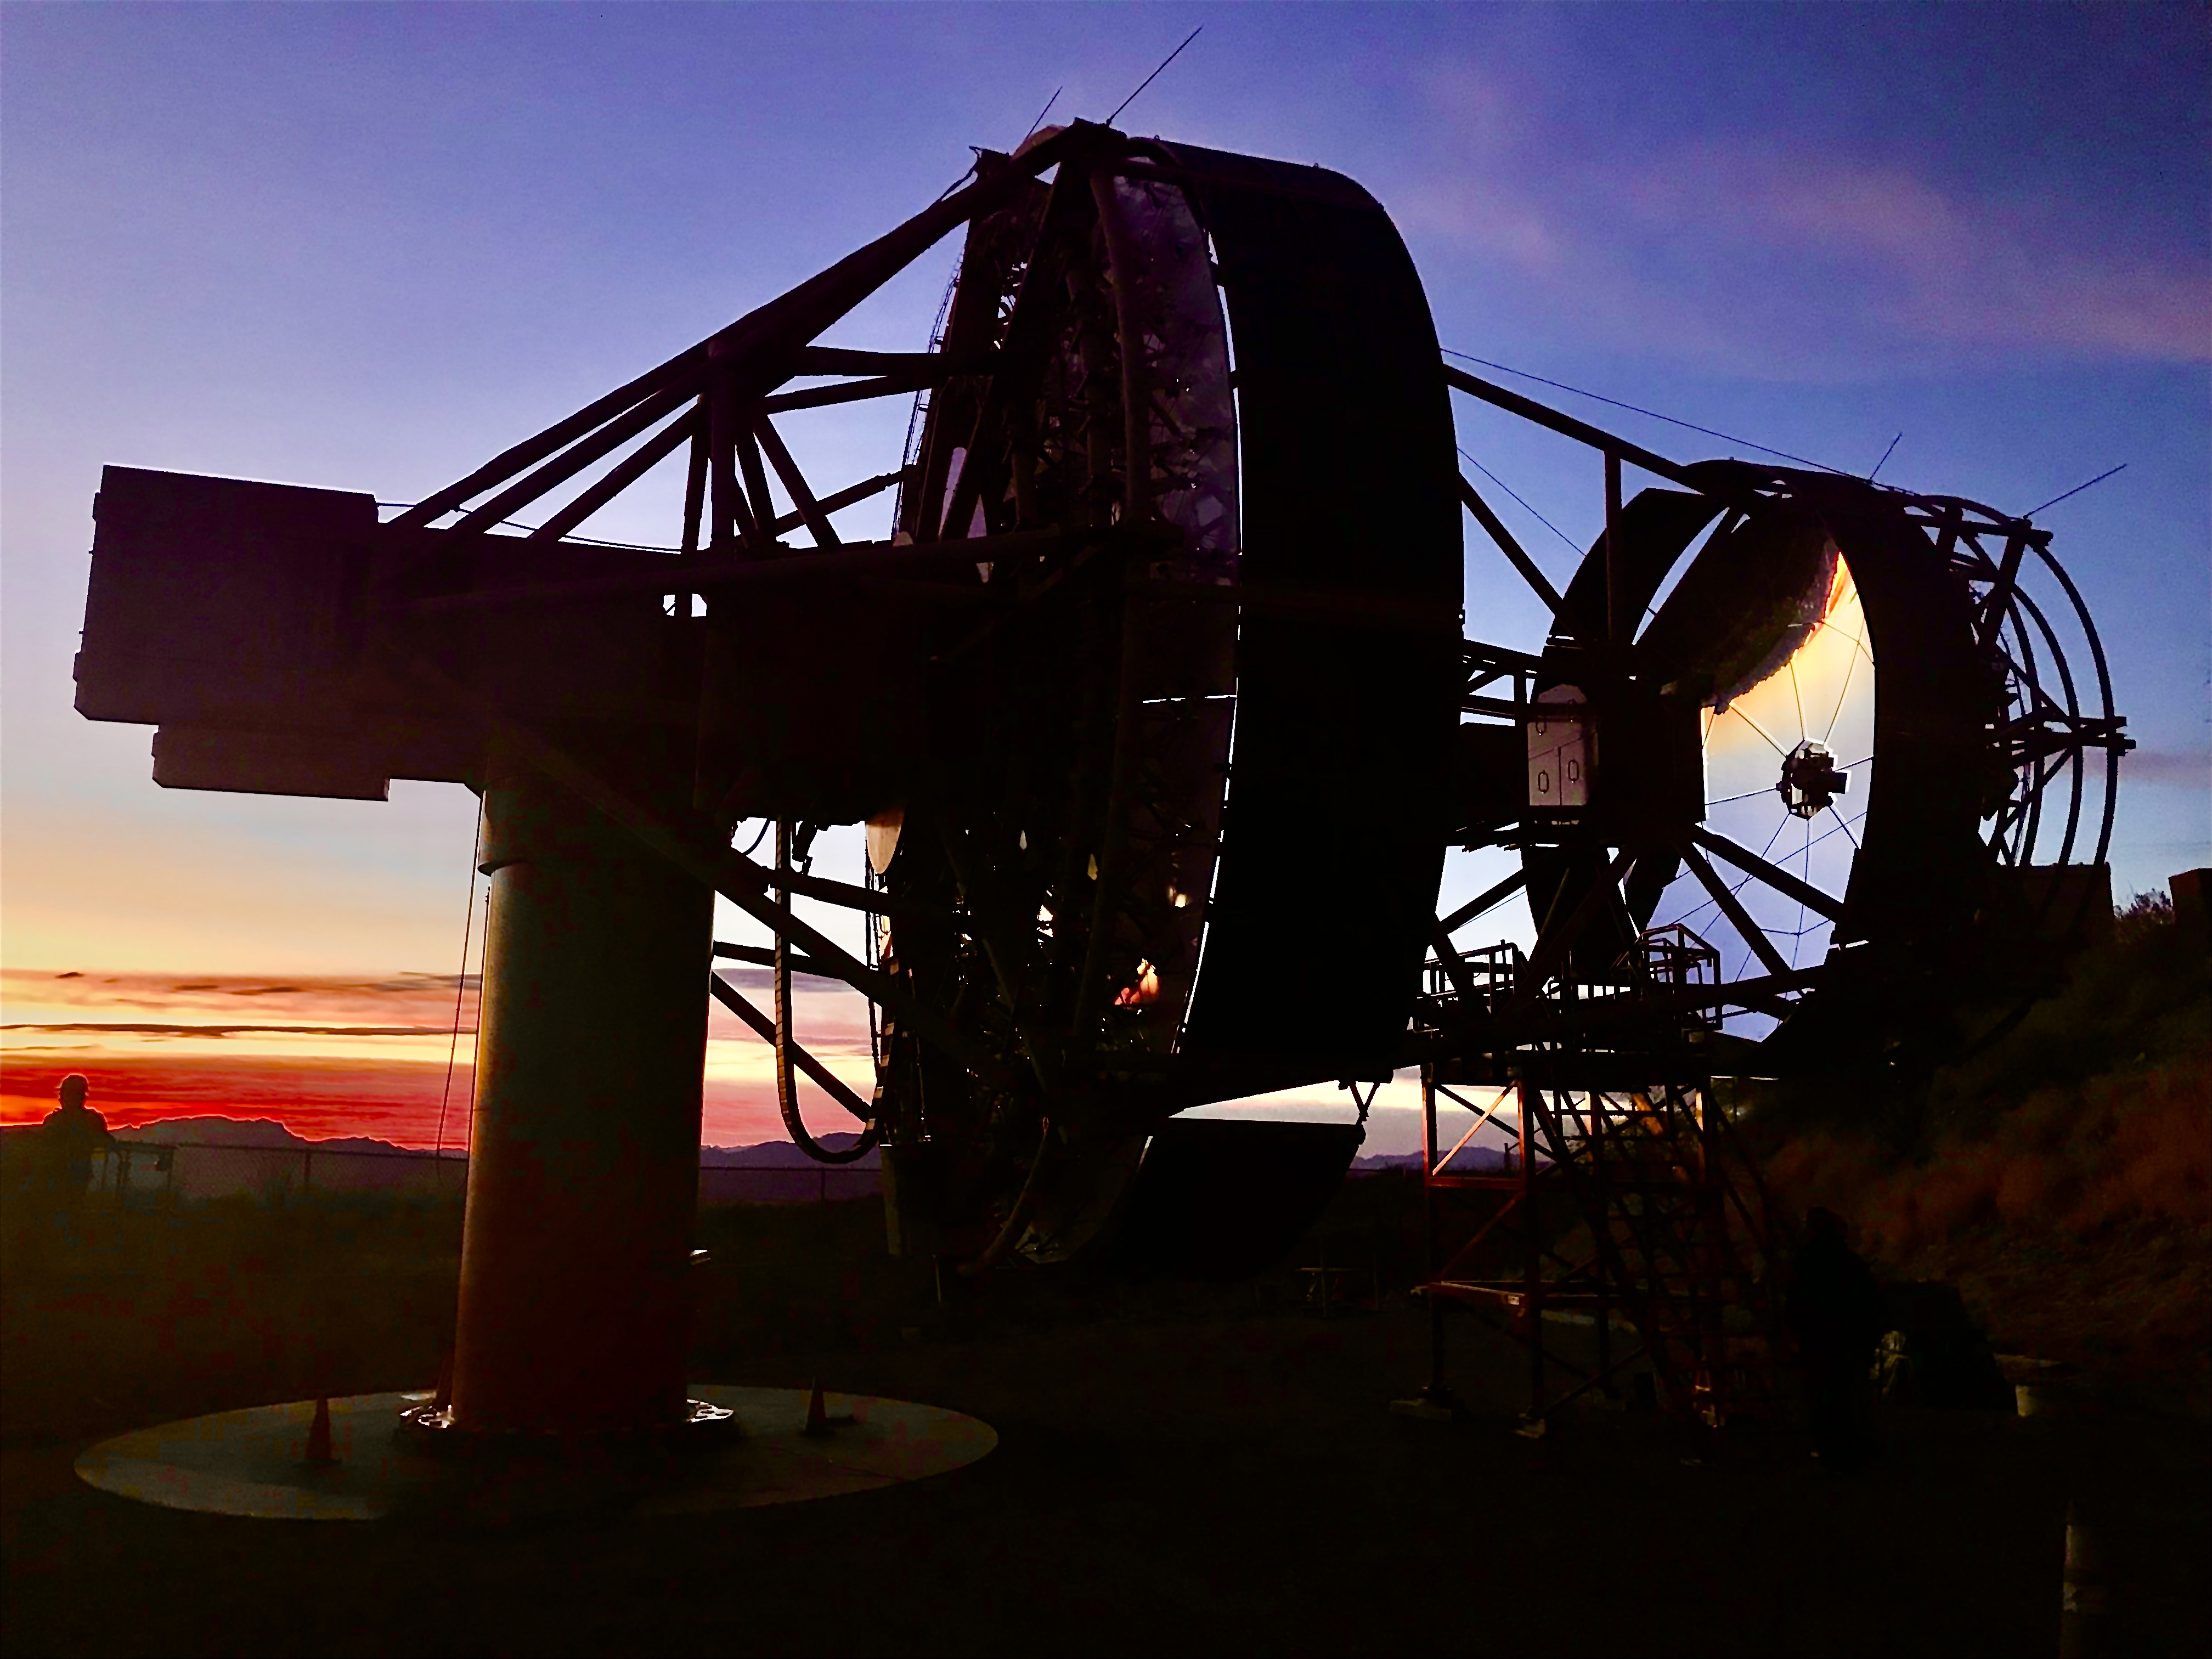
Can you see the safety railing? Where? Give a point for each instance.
(142, 1173)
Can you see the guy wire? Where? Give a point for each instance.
(460, 987)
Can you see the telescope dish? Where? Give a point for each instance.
(1157, 705)
(1096, 881)
(1796, 738)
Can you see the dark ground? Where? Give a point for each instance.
(1178, 1472)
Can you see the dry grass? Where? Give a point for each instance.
(2063, 1177)
(2136, 1148)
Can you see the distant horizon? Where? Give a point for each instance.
(835, 1140)
(331, 1056)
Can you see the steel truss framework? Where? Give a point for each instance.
(1995, 768)
(1676, 1242)
(718, 402)
(1151, 698)
(1069, 521)
(1599, 1041)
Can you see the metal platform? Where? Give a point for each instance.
(253, 1463)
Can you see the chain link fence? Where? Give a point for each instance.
(188, 1171)
(148, 1174)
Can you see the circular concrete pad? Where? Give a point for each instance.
(252, 1462)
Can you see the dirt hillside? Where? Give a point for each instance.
(2062, 1175)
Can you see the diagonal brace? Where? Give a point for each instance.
(735, 1000)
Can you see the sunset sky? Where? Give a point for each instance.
(370, 246)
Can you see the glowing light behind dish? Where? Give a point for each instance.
(1822, 694)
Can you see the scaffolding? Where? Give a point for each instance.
(1620, 1194)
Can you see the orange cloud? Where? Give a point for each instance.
(330, 1056)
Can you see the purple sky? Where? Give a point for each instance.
(370, 246)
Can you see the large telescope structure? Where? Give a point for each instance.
(1158, 699)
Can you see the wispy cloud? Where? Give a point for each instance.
(211, 1003)
(1752, 255)
(2167, 766)
(345, 1056)
(150, 1028)
(1882, 248)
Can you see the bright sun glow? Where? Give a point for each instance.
(1822, 694)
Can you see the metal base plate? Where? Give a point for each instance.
(252, 1462)
(432, 1428)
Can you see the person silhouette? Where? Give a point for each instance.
(1836, 1312)
(68, 1138)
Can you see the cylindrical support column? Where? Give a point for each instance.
(584, 1164)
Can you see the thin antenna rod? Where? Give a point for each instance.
(1886, 454)
(1041, 114)
(1155, 75)
(2076, 490)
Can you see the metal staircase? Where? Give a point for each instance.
(1681, 1235)
(1622, 1195)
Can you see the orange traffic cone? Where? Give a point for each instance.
(319, 1434)
(818, 1415)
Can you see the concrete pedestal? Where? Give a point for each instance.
(584, 1164)
(253, 1463)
